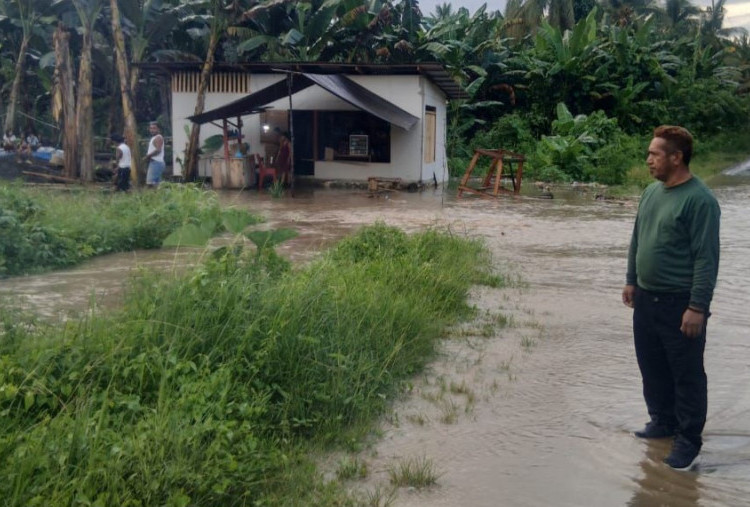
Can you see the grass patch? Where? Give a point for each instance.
(351, 468)
(42, 229)
(449, 411)
(213, 387)
(413, 472)
(380, 497)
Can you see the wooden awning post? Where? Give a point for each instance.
(291, 134)
(225, 132)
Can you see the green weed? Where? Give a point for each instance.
(43, 229)
(413, 472)
(210, 387)
(351, 468)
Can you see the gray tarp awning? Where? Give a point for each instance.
(340, 86)
(253, 103)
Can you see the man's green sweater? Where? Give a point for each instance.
(675, 242)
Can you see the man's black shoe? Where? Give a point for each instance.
(683, 456)
(652, 430)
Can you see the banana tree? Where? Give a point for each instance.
(287, 30)
(26, 16)
(126, 93)
(64, 100)
(88, 12)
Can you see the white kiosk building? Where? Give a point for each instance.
(349, 122)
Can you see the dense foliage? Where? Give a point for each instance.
(41, 230)
(639, 64)
(204, 389)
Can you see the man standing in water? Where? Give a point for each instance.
(672, 266)
(155, 155)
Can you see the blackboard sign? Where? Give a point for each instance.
(359, 145)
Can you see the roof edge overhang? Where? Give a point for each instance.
(433, 71)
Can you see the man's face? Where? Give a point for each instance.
(153, 130)
(661, 160)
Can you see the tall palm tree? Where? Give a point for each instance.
(712, 22)
(676, 16)
(443, 11)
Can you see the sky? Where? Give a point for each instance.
(738, 11)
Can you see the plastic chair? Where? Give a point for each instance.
(264, 171)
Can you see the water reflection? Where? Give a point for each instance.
(660, 486)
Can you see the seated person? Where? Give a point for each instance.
(29, 144)
(9, 141)
(32, 140)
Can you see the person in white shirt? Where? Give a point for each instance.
(29, 144)
(123, 162)
(155, 155)
(9, 141)
(32, 141)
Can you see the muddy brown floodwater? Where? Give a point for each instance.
(538, 412)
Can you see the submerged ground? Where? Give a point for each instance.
(538, 412)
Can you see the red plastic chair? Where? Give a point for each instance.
(264, 171)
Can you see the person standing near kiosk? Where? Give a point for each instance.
(155, 155)
(122, 163)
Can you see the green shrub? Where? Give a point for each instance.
(42, 229)
(510, 132)
(208, 388)
(584, 148)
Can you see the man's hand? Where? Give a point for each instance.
(628, 294)
(692, 323)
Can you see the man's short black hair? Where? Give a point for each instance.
(678, 139)
(116, 138)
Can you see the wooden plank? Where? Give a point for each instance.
(51, 177)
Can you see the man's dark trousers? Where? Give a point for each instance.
(671, 364)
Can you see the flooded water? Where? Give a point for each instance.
(541, 412)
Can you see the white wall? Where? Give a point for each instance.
(410, 93)
(183, 105)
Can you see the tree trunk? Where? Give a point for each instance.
(85, 109)
(191, 157)
(64, 100)
(135, 74)
(137, 173)
(114, 116)
(10, 118)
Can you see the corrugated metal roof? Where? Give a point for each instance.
(435, 72)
